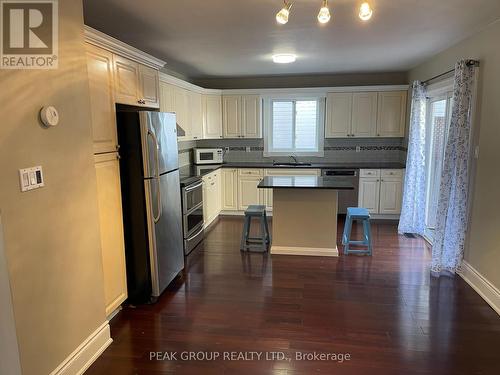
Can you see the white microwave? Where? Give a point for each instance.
(208, 155)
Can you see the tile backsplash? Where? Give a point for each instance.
(336, 150)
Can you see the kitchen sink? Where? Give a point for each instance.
(277, 164)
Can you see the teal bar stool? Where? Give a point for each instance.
(262, 242)
(359, 214)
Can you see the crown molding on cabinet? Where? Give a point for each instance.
(105, 41)
(315, 90)
(186, 85)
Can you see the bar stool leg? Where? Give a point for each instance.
(346, 238)
(245, 233)
(263, 234)
(368, 234)
(268, 234)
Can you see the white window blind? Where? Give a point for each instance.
(295, 127)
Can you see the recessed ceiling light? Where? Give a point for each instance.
(284, 58)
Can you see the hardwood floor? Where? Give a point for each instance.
(385, 311)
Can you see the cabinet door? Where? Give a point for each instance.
(212, 117)
(102, 101)
(364, 114)
(149, 86)
(230, 189)
(167, 97)
(369, 194)
(391, 117)
(196, 114)
(126, 74)
(248, 192)
(181, 104)
(111, 223)
(231, 116)
(218, 192)
(391, 191)
(206, 201)
(251, 124)
(338, 115)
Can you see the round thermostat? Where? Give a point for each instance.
(49, 116)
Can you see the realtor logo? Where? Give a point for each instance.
(29, 34)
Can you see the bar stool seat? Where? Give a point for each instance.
(258, 243)
(363, 215)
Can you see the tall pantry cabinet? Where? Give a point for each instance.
(106, 157)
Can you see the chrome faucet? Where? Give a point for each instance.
(294, 158)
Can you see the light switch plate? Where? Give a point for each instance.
(31, 178)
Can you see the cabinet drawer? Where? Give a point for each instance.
(392, 173)
(369, 173)
(250, 172)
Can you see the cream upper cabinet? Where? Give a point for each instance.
(251, 124)
(196, 115)
(369, 194)
(364, 114)
(135, 84)
(181, 105)
(230, 189)
(231, 116)
(111, 223)
(166, 97)
(338, 115)
(212, 116)
(391, 117)
(149, 87)
(126, 80)
(102, 102)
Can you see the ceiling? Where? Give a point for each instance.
(229, 38)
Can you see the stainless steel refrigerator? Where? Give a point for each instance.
(151, 202)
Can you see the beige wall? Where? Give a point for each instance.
(355, 79)
(51, 235)
(483, 251)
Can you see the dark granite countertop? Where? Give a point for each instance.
(190, 173)
(304, 182)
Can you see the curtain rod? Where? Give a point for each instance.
(474, 63)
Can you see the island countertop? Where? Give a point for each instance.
(304, 182)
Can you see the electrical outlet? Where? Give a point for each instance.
(226, 149)
(248, 149)
(358, 148)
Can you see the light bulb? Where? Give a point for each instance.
(282, 15)
(284, 58)
(324, 13)
(365, 11)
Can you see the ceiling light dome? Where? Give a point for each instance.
(282, 15)
(324, 13)
(365, 11)
(284, 58)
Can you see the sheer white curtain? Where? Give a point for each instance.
(412, 218)
(452, 214)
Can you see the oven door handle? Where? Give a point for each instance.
(191, 188)
(193, 209)
(196, 234)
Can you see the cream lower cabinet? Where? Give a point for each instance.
(212, 195)
(285, 172)
(381, 191)
(248, 192)
(230, 189)
(111, 224)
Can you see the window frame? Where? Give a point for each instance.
(268, 128)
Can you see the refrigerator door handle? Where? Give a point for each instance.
(159, 208)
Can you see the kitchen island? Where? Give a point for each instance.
(304, 214)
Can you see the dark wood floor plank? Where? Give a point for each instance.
(385, 311)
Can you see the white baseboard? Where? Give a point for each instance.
(88, 351)
(481, 285)
(309, 251)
